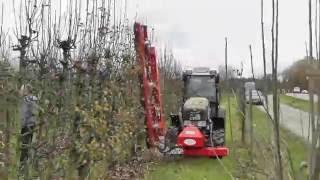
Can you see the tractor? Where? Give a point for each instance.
(199, 127)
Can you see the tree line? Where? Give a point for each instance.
(82, 69)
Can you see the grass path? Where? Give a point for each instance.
(295, 102)
(191, 169)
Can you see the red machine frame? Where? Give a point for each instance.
(150, 81)
(152, 102)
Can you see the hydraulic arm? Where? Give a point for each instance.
(150, 86)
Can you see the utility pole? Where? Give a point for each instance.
(228, 86)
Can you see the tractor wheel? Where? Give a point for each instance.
(147, 143)
(218, 137)
(171, 137)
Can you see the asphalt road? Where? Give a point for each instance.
(302, 96)
(293, 119)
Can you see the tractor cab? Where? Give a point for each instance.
(202, 82)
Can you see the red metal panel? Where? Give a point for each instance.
(193, 143)
(156, 91)
(207, 151)
(191, 134)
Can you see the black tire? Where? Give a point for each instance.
(218, 137)
(171, 137)
(147, 143)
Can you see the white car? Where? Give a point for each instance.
(296, 90)
(304, 91)
(257, 97)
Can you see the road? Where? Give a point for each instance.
(293, 119)
(302, 96)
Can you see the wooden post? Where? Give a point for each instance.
(242, 111)
(228, 87)
(265, 87)
(250, 126)
(314, 158)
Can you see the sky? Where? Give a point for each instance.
(195, 30)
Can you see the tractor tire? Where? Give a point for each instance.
(218, 137)
(147, 143)
(147, 139)
(171, 137)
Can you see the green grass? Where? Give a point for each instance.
(191, 169)
(297, 147)
(301, 104)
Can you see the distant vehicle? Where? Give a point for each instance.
(256, 98)
(249, 86)
(296, 90)
(304, 91)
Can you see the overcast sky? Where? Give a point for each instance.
(195, 29)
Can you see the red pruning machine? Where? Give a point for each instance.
(198, 129)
